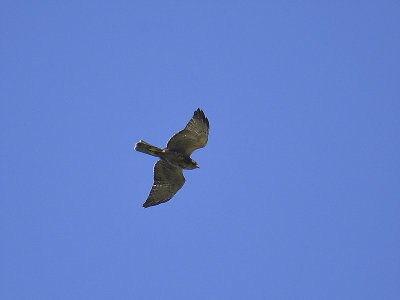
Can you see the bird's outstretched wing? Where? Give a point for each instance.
(168, 179)
(194, 136)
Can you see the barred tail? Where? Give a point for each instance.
(144, 147)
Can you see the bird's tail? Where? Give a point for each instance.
(144, 147)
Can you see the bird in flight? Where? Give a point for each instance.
(168, 175)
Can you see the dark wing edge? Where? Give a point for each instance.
(199, 114)
(193, 136)
(168, 179)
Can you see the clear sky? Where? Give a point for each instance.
(298, 191)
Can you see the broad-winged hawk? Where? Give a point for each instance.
(168, 176)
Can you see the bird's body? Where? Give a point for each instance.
(168, 176)
(174, 158)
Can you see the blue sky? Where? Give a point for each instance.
(297, 195)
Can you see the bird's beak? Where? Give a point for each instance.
(197, 166)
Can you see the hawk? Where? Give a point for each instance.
(168, 175)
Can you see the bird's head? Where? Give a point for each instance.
(194, 164)
(189, 164)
